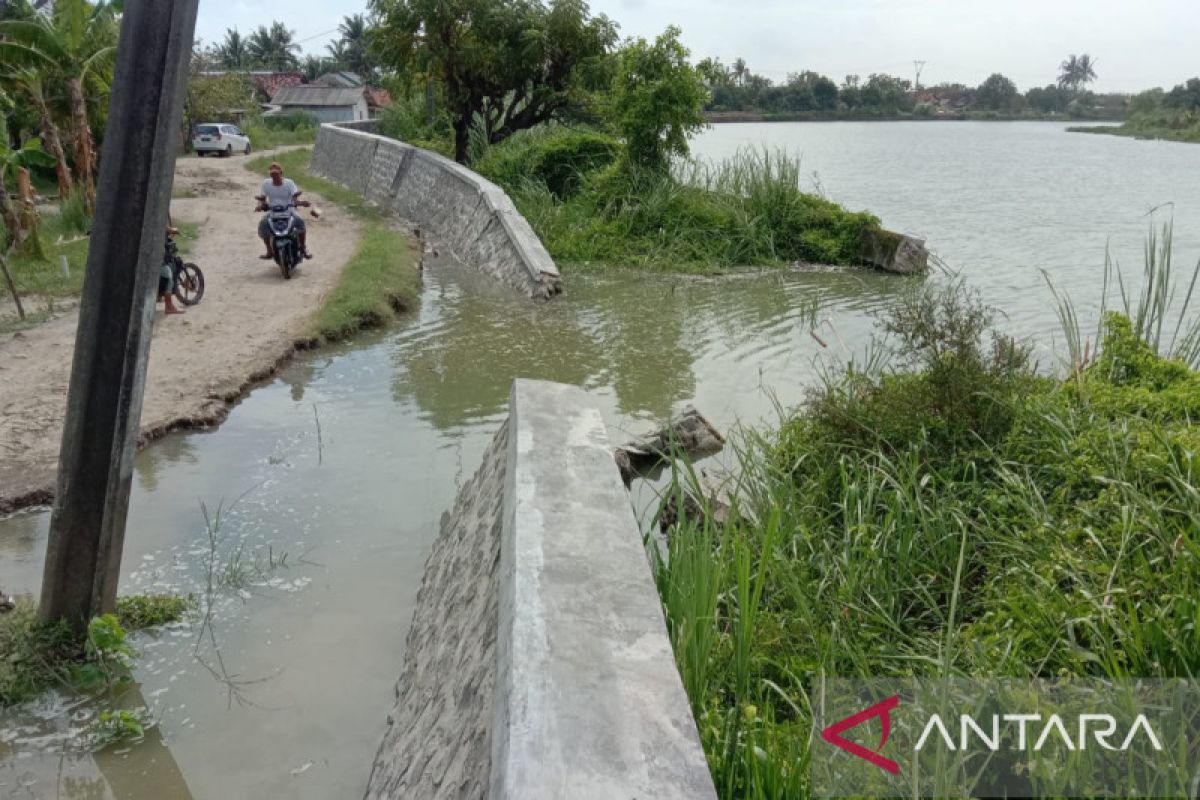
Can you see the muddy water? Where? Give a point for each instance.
(332, 478)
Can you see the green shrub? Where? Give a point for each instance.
(140, 611)
(292, 121)
(558, 157)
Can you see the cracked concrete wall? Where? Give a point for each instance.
(468, 214)
(538, 664)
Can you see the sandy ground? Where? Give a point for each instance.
(247, 324)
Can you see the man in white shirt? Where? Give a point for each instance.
(280, 191)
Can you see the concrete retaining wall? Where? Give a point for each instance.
(538, 663)
(471, 216)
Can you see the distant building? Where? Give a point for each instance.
(266, 82)
(326, 103)
(341, 80)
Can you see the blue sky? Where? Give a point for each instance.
(1148, 43)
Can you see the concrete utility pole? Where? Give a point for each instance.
(104, 405)
(920, 67)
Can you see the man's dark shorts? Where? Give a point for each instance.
(264, 225)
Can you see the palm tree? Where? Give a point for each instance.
(1087, 69)
(273, 47)
(354, 43)
(338, 59)
(740, 73)
(1076, 72)
(231, 53)
(74, 43)
(1068, 73)
(314, 67)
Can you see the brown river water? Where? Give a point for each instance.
(323, 537)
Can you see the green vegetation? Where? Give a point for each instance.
(39, 656)
(502, 67)
(1155, 114)
(381, 278)
(737, 93)
(592, 208)
(140, 611)
(951, 514)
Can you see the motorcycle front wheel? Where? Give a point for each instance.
(189, 284)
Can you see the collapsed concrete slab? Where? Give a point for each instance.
(895, 252)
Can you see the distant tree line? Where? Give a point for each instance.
(274, 47)
(737, 89)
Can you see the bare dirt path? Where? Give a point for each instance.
(247, 324)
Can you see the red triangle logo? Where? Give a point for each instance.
(833, 734)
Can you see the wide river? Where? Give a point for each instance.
(323, 536)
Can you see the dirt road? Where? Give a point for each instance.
(247, 324)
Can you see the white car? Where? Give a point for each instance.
(221, 138)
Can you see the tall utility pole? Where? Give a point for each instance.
(920, 67)
(112, 344)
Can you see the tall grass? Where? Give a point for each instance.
(872, 535)
(592, 208)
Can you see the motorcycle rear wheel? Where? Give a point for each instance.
(189, 284)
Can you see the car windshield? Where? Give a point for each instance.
(206, 130)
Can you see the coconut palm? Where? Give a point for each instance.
(314, 67)
(1076, 72)
(740, 72)
(74, 43)
(273, 47)
(338, 57)
(231, 53)
(354, 44)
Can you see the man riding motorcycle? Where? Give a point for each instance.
(280, 191)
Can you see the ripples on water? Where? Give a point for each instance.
(405, 417)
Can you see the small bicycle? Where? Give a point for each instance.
(188, 279)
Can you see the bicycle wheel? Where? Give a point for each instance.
(189, 284)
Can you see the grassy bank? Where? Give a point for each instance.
(1165, 124)
(955, 513)
(383, 276)
(591, 208)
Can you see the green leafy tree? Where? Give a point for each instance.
(503, 65)
(75, 43)
(211, 98)
(30, 82)
(740, 72)
(1050, 99)
(714, 72)
(314, 67)
(274, 47)
(1184, 97)
(658, 99)
(20, 226)
(997, 93)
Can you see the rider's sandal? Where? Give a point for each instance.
(266, 258)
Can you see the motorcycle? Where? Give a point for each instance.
(188, 279)
(285, 240)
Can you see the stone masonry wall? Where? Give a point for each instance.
(538, 665)
(466, 213)
(438, 741)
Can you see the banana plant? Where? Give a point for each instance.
(18, 225)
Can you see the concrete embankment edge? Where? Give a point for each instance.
(538, 664)
(466, 213)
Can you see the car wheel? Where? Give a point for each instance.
(228, 151)
(200, 154)
(247, 148)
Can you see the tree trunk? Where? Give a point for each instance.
(53, 145)
(8, 214)
(12, 287)
(462, 139)
(27, 215)
(85, 156)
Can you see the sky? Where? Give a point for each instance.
(1137, 45)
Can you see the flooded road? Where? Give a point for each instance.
(332, 478)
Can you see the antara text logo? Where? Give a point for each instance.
(1017, 732)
